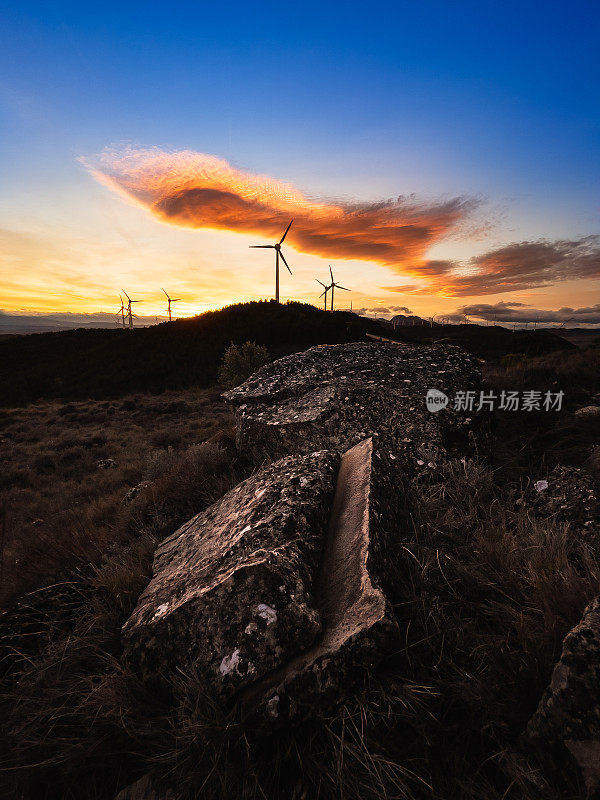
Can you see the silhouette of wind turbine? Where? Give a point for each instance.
(171, 300)
(334, 285)
(327, 288)
(121, 311)
(130, 314)
(278, 255)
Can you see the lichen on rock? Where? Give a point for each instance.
(232, 590)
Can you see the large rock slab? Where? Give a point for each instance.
(568, 715)
(233, 589)
(358, 623)
(335, 396)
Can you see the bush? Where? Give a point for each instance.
(239, 362)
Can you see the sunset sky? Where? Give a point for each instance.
(443, 157)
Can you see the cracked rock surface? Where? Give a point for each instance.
(335, 396)
(232, 591)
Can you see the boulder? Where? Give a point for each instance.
(568, 715)
(358, 625)
(588, 412)
(232, 590)
(335, 396)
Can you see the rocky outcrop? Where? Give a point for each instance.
(357, 621)
(588, 413)
(232, 592)
(333, 397)
(568, 715)
(567, 494)
(280, 593)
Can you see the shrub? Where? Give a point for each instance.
(240, 361)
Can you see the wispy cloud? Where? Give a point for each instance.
(202, 191)
(514, 267)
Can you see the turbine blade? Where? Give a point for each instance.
(322, 284)
(285, 262)
(331, 273)
(125, 293)
(176, 299)
(168, 298)
(337, 286)
(286, 233)
(253, 246)
(323, 293)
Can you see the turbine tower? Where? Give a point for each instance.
(171, 300)
(130, 314)
(278, 255)
(323, 294)
(121, 311)
(334, 285)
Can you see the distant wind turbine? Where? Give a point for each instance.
(121, 311)
(278, 255)
(323, 294)
(334, 285)
(565, 322)
(171, 300)
(130, 314)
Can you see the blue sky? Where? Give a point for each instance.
(497, 100)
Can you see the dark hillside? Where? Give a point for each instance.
(488, 342)
(100, 363)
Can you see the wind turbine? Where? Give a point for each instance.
(333, 285)
(130, 314)
(278, 255)
(121, 311)
(327, 288)
(565, 322)
(173, 300)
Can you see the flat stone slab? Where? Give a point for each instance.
(358, 623)
(568, 715)
(232, 592)
(334, 396)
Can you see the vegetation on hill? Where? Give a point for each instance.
(486, 341)
(108, 363)
(80, 364)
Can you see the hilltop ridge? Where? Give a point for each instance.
(107, 363)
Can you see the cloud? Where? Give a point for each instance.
(514, 267)
(202, 191)
(197, 190)
(519, 312)
(384, 310)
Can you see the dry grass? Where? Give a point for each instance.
(526, 442)
(61, 507)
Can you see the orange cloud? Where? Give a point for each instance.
(201, 191)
